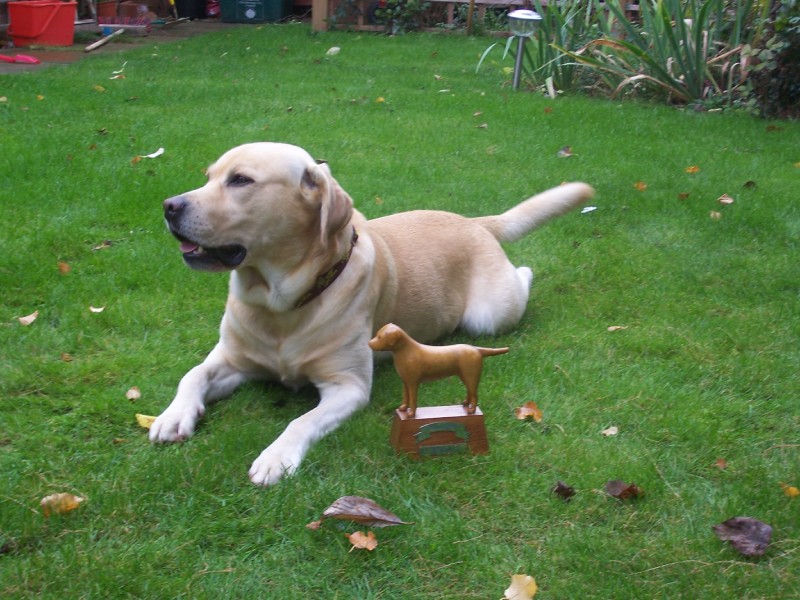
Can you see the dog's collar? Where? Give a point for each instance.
(324, 280)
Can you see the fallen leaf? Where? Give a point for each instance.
(613, 430)
(63, 267)
(725, 200)
(477, 114)
(118, 76)
(380, 99)
(482, 126)
(133, 394)
(27, 320)
(563, 491)
(145, 421)
(333, 51)
(97, 309)
(59, 504)
(683, 196)
(749, 536)
(314, 525)
(40, 97)
(98, 88)
(523, 587)
(749, 185)
(588, 209)
(105, 244)
(623, 491)
(617, 327)
(529, 412)
(565, 152)
(692, 170)
(721, 464)
(716, 216)
(66, 357)
(155, 154)
(362, 541)
(361, 510)
(790, 490)
(640, 185)
(548, 110)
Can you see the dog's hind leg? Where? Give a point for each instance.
(497, 299)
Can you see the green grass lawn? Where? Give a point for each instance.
(705, 369)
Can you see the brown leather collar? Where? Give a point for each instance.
(324, 280)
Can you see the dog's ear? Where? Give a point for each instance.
(335, 205)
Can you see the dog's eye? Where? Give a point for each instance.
(238, 180)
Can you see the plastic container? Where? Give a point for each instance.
(254, 11)
(41, 23)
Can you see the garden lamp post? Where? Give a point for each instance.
(523, 24)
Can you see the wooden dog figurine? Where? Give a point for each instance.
(417, 362)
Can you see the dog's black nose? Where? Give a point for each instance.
(173, 207)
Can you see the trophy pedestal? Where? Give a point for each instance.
(439, 430)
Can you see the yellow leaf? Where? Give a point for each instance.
(361, 540)
(692, 170)
(725, 200)
(145, 421)
(133, 394)
(640, 185)
(60, 503)
(380, 99)
(28, 319)
(790, 490)
(99, 88)
(613, 328)
(523, 587)
(40, 97)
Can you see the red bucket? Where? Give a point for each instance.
(42, 22)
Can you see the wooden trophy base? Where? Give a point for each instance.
(439, 430)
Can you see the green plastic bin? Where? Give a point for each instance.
(254, 11)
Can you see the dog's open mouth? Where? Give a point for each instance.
(222, 258)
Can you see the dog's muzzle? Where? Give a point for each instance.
(197, 256)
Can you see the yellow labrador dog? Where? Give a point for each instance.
(312, 280)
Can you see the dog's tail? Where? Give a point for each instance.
(536, 211)
(492, 351)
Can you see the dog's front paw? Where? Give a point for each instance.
(272, 465)
(175, 424)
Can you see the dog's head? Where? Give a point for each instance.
(262, 202)
(387, 338)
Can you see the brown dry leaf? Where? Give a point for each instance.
(482, 126)
(749, 184)
(529, 412)
(64, 267)
(362, 541)
(27, 320)
(725, 200)
(617, 327)
(145, 421)
(790, 490)
(133, 394)
(314, 525)
(715, 215)
(136, 160)
(611, 431)
(66, 357)
(622, 490)
(721, 464)
(640, 186)
(692, 170)
(523, 587)
(749, 536)
(59, 504)
(683, 196)
(361, 510)
(548, 110)
(565, 152)
(563, 491)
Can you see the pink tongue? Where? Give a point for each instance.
(187, 247)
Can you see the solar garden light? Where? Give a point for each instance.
(523, 24)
